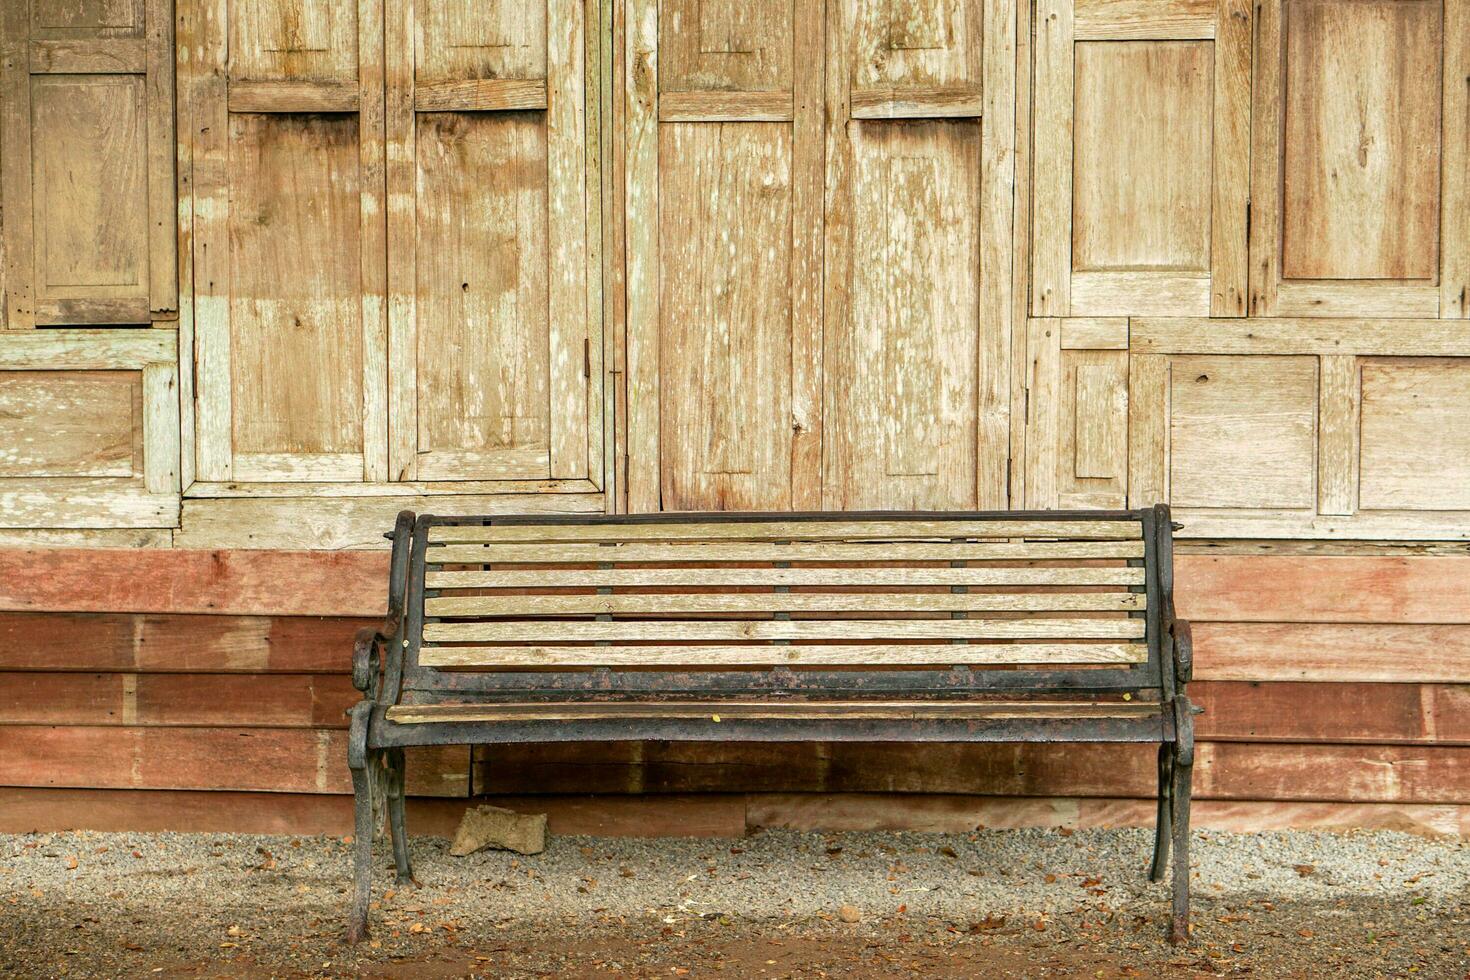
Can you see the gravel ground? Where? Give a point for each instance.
(1002, 903)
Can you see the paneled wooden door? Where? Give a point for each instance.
(394, 246)
(818, 234)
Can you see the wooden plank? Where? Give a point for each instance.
(401, 176)
(566, 141)
(373, 240)
(1148, 293)
(276, 760)
(224, 700)
(87, 350)
(70, 424)
(704, 630)
(910, 103)
(1051, 654)
(1319, 336)
(1094, 333)
(15, 177)
(144, 643)
(718, 711)
(1338, 414)
(161, 428)
(1267, 87)
(481, 95)
(1292, 589)
(178, 581)
(210, 121)
(63, 537)
(795, 551)
(58, 503)
(1427, 714)
(1230, 205)
(1145, 20)
(808, 259)
(1051, 166)
(1148, 425)
(1043, 400)
(355, 522)
(999, 329)
(1337, 652)
(578, 605)
(720, 106)
(641, 150)
(163, 282)
(1454, 234)
(789, 530)
(629, 578)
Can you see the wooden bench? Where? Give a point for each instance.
(911, 627)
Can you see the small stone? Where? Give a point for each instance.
(497, 827)
(850, 913)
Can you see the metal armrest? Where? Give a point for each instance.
(1183, 650)
(367, 661)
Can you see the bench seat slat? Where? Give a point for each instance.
(702, 577)
(668, 553)
(516, 631)
(717, 711)
(835, 655)
(657, 604)
(815, 530)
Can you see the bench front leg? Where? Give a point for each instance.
(366, 767)
(1183, 765)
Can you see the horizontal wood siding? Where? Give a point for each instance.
(1325, 679)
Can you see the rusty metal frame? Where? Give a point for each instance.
(386, 668)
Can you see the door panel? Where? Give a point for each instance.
(87, 176)
(1359, 183)
(490, 244)
(1142, 158)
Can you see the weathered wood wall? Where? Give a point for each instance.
(276, 269)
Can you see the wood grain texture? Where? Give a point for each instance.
(1282, 589)
(207, 642)
(205, 700)
(1415, 434)
(177, 581)
(278, 760)
(725, 316)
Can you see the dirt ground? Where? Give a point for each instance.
(991, 903)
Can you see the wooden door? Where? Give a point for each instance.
(724, 146)
(496, 341)
(918, 254)
(1141, 158)
(1361, 159)
(88, 166)
(285, 107)
(818, 225)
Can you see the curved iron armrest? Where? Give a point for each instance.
(1183, 646)
(368, 646)
(367, 659)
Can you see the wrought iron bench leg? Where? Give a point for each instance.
(1179, 925)
(362, 868)
(1163, 821)
(1183, 770)
(395, 817)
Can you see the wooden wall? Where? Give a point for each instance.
(275, 269)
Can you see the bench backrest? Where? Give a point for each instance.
(743, 604)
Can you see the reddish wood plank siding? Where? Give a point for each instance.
(1340, 680)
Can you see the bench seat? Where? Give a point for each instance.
(885, 626)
